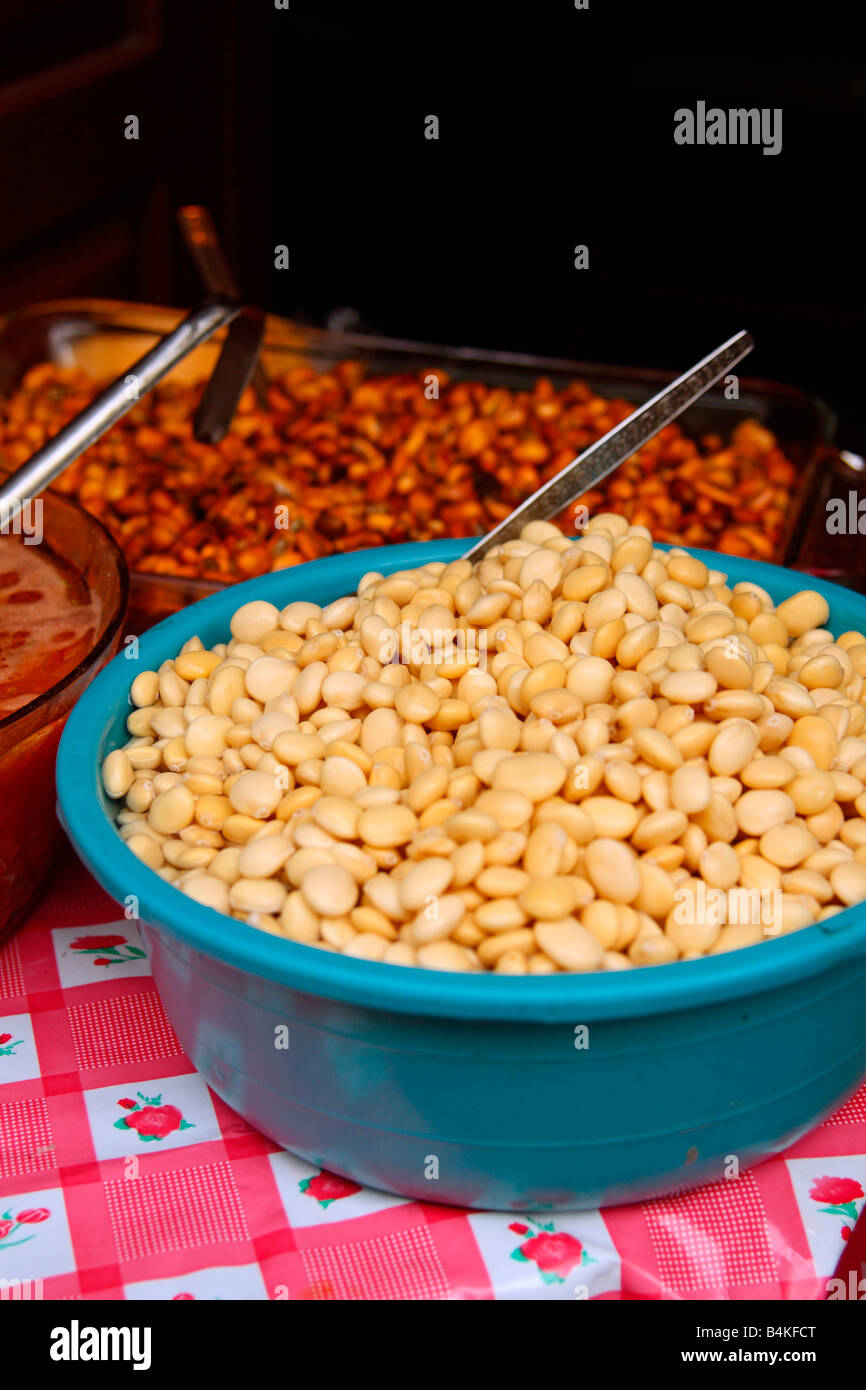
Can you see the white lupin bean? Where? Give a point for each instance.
(171, 810)
(268, 676)
(252, 620)
(569, 944)
(118, 774)
(255, 794)
(263, 895)
(429, 878)
(207, 890)
(262, 858)
(757, 811)
(535, 775)
(329, 891)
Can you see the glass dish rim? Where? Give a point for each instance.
(111, 629)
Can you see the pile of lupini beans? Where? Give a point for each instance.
(526, 765)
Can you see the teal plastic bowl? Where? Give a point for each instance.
(486, 1091)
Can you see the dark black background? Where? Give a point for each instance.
(556, 128)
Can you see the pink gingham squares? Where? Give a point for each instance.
(704, 1240)
(175, 1210)
(399, 1264)
(119, 1029)
(27, 1141)
(11, 976)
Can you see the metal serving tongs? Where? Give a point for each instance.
(200, 236)
(616, 446)
(119, 398)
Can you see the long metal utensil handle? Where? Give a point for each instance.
(200, 235)
(111, 405)
(617, 445)
(231, 376)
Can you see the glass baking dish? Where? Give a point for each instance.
(104, 337)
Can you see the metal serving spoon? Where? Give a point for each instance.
(617, 445)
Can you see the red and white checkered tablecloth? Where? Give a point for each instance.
(123, 1176)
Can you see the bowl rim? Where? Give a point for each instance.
(120, 596)
(578, 998)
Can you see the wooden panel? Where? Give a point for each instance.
(94, 211)
(51, 46)
(103, 252)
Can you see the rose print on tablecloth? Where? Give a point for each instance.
(7, 1046)
(555, 1253)
(328, 1187)
(841, 1196)
(106, 950)
(10, 1225)
(151, 1119)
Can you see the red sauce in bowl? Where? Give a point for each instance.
(48, 621)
